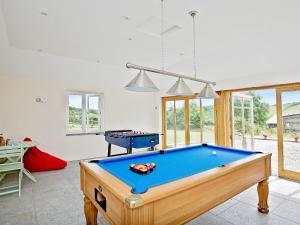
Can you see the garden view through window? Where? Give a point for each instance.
(255, 125)
(84, 113)
(189, 121)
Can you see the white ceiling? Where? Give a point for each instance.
(235, 38)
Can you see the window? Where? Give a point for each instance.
(84, 113)
(187, 120)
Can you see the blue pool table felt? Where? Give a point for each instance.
(172, 165)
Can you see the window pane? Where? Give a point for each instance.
(291, 130)
(208, 121)
(93, 112)
(180, 122)
(195, 131)
(75, 112)
(265, 122)
(170, 123)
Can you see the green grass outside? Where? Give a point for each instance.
(208, 136)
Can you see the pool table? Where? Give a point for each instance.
(185, 183)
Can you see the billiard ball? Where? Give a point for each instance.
(214, 152)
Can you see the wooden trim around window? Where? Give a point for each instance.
(282, 172)
(187, 121)
(186, 114)
(223, 119)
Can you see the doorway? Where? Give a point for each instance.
(187, 120)
(253, 122)
(242, 121)
(270, 122)
(288, 120)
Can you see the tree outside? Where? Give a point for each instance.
(260, 114)
(75, 118)
(194, 109)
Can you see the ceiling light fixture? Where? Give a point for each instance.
(167, 73)
(142, 83)
(207, 91)
(180, 88)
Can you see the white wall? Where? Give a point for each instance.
(3, 35)
(276, 77)
(26, 75)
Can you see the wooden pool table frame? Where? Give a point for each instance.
(176, 202)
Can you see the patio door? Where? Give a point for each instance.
(242, 121)
(187, 120)
(288, 124)
(175, 125)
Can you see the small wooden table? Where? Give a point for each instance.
(20, 144)
(175, 202)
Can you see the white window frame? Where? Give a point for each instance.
(84, 106)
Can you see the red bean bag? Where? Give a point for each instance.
(36, 160)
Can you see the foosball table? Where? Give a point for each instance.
(130, 139)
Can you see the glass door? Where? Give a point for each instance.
(187, 120)
(201, 121)
(242, 121)
(170, 123)
(175, 127)
(288, 124)
(196, 122)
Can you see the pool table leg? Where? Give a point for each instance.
(263, 192)
(90, 212)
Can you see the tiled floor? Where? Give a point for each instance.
(56, 200)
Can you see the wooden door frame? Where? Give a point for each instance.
(187, 118)
(281, 171)
(243, 97)
(278, 89)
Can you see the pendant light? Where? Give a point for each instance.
(141, 83)
(207, 91)
(180, 87)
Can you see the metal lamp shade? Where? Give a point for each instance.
(207, 92)
(141, 83)
(180, 88)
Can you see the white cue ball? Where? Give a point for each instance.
(214, 152)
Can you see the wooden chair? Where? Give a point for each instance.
(12, 158)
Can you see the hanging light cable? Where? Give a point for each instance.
(207, 91)
(180, 87)
(162, 36)
(142, 83)
(193, 14)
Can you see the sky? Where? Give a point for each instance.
(76, 101)
(269, 96)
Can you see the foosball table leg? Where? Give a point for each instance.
(129, 150)
(109, 150)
